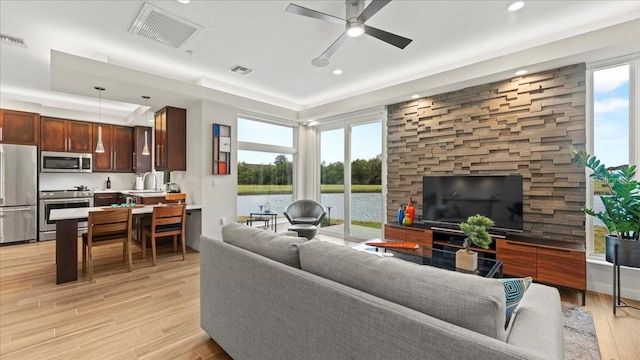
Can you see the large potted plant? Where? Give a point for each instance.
(621, 214)
(476, 230)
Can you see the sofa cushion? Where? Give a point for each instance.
(469, 301)
(278, 247)
(514, 291)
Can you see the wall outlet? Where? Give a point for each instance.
(223, 221)
(217, 182)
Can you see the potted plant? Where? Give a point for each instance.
(476, 230)
(621, 213)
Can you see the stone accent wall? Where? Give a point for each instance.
(524, 125)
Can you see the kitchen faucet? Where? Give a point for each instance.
(155, 179)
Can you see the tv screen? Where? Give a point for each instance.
(450, 200)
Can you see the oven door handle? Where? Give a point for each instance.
(57, 201)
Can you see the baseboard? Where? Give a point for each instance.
(600, 279)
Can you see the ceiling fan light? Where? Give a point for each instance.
(355, 28)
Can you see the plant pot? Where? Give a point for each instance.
(628, 251)
(466, 261)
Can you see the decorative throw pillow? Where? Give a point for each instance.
(514, 291)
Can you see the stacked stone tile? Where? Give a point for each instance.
(523, 125)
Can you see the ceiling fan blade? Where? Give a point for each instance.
(372, 9)
(393, 39)
(330, 51)
(295, 9)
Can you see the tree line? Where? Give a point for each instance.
(363, 172)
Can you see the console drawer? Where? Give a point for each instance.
(562, 267)
(517, 259)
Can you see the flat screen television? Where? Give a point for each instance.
(450, 200)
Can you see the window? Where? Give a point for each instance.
(265, 167)
(614, 139)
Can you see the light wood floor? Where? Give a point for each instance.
(153, 312)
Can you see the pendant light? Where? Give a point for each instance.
(145, 149)
(99, 146)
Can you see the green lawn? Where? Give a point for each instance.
(598, 238)
(288, 189)
(600, 189)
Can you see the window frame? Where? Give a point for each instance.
(268, 148)
(633, 61)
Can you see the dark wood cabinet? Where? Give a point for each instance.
(518, 259)
(551, 262)
(141, 163)
(19, 127)
(66, 135)
(408, 234)
(118, 148)
(170, 139)
(106, 199)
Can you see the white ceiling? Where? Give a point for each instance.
(75, 45)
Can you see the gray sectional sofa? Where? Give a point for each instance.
(272, 296)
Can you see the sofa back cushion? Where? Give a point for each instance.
(469, 301)
(278, 247)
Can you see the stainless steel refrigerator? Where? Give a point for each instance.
(18, 193)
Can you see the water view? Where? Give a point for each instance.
(365, 206)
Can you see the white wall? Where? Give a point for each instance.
(600, 279)
(94, 181)
(216, 193)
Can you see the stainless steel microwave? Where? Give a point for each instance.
(65, 162)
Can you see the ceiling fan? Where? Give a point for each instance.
(354, 24)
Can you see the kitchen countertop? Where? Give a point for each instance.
(140, 193)
(83, 213)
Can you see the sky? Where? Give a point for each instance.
(611, 115)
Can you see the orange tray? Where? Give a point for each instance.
(394, 245)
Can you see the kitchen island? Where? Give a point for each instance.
(67, 236)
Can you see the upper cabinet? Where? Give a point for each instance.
(66, 135)
(118, 149)
(141, 136)
(18, 127)
(171, 139)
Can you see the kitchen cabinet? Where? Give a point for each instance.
(141, 163)
(106, 199)
(66, 135)
(170, 139)
(19, 127)
(118, 149)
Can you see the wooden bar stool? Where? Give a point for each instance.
(107, 227)
(167, 220)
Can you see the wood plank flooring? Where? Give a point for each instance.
(153, 312)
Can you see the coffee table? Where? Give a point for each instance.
(440, 258)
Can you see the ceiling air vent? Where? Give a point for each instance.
(163, 26)
(12, 40)
(239, 69)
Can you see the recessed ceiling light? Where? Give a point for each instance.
(521, 72)
(516, 5)
(184, 1)
(415, 96)
(337, 72)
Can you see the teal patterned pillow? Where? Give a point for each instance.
(514, 291)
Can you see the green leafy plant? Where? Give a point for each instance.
(476, 230)
(621, 213)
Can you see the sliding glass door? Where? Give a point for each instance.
(351, 179)
(365, 195)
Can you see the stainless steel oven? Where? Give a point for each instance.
(61, 199)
